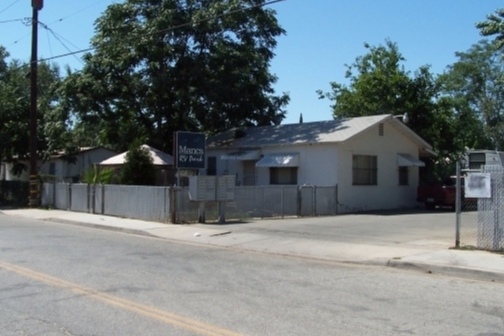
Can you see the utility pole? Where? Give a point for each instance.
(36, 6)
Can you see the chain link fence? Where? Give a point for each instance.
(156, 203)
(480, 221)
(262, 202)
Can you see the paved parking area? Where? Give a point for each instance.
(378, 228)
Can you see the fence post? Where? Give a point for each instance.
(54, 195)
(165, 203)
(336, 198)
(314, 200)
(173, 205)
(457, 207)
(69, 198)
(263, 203)
(298, 201)
(282, 200)
(102, 205)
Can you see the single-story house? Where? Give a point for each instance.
(61, 168)
(162, 161)
(374, 161)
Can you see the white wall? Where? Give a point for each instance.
(84, 161)
(25, 175)
(318, 164)
(388, 194)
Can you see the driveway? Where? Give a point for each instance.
(389, 228)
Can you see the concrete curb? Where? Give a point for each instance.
(463, 272)
(100, 226)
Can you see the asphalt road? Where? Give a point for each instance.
(58, 279)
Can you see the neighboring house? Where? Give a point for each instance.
(61, 168)
(476, 158)
(162, 161)
(373, 161)
(2, 171)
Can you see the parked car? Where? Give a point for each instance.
(443, 194)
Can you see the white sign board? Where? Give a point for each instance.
(204, 188)
(477, 185)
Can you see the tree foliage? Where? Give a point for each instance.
(138, 167)
(494, 26)
(476, 85)
(379, 84)
(52, 131)
(152, 73)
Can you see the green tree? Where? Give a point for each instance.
(52, 131)
(379, 84)
(165, 65)
(475, 83)
(138, 167)
(494, 26)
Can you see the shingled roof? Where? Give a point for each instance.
(330, 131)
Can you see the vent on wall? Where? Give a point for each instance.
(380, 129)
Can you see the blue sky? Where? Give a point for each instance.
(322, 36)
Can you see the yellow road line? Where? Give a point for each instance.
(157, 314)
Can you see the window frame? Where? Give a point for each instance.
(364, 170)
(403, 175)
(277, 175)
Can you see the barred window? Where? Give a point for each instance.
(403, 176)
(211, 165)
(365, 170)
(287, 175)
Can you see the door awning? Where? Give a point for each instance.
(279, 160)
(406, 160)
(242, 155)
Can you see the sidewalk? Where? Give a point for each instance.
(324, 238)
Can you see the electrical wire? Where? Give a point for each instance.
(12, 4)
(59, 37)
(77, 12)
(49, 42)
(59, 20)
(165, 30)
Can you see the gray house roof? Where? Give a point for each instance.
(159, 158)
(330, 131)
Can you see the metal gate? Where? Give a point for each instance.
(480, 220)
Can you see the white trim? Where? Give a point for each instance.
(279, 160)
(242, 155)
(406, 160)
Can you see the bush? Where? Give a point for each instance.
(138, 167)
(14, 193)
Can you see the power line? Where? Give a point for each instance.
(77, 12)
(49, 42)
(12, 4)
(166, 29)
(59, 20)
(59, 37)
(13, 20)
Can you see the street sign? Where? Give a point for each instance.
(189, 150)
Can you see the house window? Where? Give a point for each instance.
(476, 160)
(365, 170)
(52, 168)
(403, 176)
(287, 175)
(212, 165)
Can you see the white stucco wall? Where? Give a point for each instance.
(388, 194)
(318, 164)
(25, 175)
